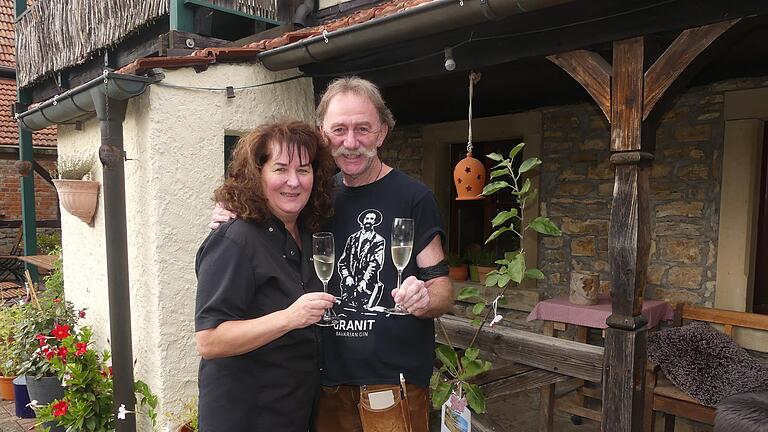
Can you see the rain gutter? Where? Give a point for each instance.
(79, 101)
(419, 21)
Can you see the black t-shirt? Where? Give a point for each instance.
(367, 346)
(247, 270)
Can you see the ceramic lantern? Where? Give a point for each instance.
(469, 177)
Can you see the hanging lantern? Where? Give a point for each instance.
(469, 174)
(469, 177)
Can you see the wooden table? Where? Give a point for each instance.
(557, 313)
(43, 262)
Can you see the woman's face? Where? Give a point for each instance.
(286, 180)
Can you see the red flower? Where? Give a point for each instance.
(82, 347)
(60, 408)
(57, 300)
(60, 331)
(107, 372)
(48, 353)
(81, 313)
(62, 352)
(41, 338)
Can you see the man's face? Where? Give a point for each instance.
(368, 221)
(355, 133)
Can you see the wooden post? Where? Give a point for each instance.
(627, 95)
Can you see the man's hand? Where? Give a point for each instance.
(219, 216)
(413, 296)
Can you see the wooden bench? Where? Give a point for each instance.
(661, 395)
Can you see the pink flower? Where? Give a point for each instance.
(57, 300)
(82, 347)
(81, 313)
(60, 331)
(60, 408)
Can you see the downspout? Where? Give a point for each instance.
(108, 96)
(430, 18)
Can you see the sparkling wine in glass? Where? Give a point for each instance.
(402, 245)
(323, 257)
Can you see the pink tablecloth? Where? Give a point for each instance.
(561, 310)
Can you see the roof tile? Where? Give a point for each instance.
(9, 129)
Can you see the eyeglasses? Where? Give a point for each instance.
(361, 131)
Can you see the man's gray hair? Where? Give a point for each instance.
(360, 87)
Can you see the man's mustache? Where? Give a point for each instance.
(362, 151)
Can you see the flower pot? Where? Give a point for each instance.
(473, 276)
(482, 273)
(45, 389)
(6, 387)
(458, 273)
(78, 197)
(22, 398)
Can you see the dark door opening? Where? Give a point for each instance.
(760, 296)
(470, 221)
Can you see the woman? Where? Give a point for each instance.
(257, 293)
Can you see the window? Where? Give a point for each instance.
(470, 221)
(230, 141)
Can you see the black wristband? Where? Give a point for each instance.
(438, 270)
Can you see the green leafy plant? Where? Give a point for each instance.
(482, 258)
(49, 243)
(455, 260)
(88, 396)
(456, 371)
(39, 317)
(10, 361)
(74, 166)
(187, 419)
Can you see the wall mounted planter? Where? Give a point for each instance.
(78, 197)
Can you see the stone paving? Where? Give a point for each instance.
(8, 420)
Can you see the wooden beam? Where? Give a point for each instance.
(688, 45)
(534, 378)
(543, 352)
(627, 94)
(592, 72)
(624, 380)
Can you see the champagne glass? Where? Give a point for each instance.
(323, 257)
(402, 245)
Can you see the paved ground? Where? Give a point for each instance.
(8, 420)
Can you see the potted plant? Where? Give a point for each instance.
(453, 379)
(482, 263)
(87, 399)
(457, 268)
(45, 315)
(10, 361)
(187, 420)
(78, 197)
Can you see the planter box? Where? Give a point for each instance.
(78, 197)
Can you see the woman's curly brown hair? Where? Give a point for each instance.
(242, 192)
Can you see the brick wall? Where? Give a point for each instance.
(46, 201)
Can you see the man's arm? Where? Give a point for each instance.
(430, 299)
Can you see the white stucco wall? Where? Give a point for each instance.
(176, 140)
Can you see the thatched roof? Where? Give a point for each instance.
(56, 34)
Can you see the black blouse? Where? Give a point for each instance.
(247, 270)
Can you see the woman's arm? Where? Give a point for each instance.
(232, 338)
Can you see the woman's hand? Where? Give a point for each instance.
(219, 216)
(308, 309)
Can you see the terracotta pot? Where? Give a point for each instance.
(458, 273)
(482, 273)
(469, 177)
(78, 197)
(6, 387)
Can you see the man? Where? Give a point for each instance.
(360, 264)
(367, 351)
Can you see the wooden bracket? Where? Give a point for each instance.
(592, 72)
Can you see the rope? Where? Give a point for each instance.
(474, 77)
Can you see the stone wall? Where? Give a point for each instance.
(577, 187)
(404, 150)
